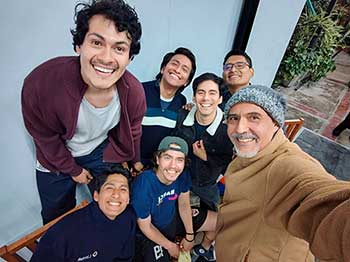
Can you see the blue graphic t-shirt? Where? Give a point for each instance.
(152, 197)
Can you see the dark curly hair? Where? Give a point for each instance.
(179, 51)
(124, 17)
(205, 77)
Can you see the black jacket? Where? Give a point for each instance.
(218, 147)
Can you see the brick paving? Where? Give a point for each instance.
(325, 103)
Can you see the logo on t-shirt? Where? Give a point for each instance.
(92, 255)
(170, 196)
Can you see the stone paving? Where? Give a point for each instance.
(325, 103)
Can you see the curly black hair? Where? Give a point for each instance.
(179, 51)
(124, 17)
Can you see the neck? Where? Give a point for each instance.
(162, 179)
(236, 88)
(205, 120)
(166, 90)
(100, 97)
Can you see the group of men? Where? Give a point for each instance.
(94, 123)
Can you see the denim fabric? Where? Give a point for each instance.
(57, 190)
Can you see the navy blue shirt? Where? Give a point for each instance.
(157, 122)
(152, 197)
(88, 235)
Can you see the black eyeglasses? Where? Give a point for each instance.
(237, 65)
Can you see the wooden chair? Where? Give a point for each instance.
(30, 241)
(292, 126)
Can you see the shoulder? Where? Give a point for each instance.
(132, 82)
(59, 70)
(295, 162)
(181, 98)
(144, 179)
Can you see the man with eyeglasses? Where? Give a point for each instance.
(237, 72)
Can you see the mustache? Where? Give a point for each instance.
(243, 136)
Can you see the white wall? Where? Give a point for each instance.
(34, 31)
(272, 29)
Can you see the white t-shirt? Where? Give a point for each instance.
(92, 127)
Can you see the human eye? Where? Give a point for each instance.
(227, 67)
(166, 157)
(254, 117)
(120, 49)
(240, 65)
(96, 42)
(180, 160)
(231, 118)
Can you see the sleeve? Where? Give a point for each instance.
(137, 109)
(51, 146)
(50, 248)
(312, 205)
(185, 182)
(141, 197)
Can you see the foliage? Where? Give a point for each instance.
(311, 48)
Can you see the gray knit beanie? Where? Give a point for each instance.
(268, 99)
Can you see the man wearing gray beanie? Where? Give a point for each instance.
(279, 202)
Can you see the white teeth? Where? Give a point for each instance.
(103, 69)
(114, 203)
(245, 140)
(174, 75)
(205, 105)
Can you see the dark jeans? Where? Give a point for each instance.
(57, 190)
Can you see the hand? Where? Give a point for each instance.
(199, 150)
(83, 178)
(137, 168)
(188, 106)
(173, 250)
(125, 165)
(186, 245)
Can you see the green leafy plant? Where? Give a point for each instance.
(311, 49)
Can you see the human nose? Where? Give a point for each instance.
(106, 55)
(241, 126)
(115, 193)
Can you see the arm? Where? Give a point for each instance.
(136, 110)
(312, 205)
(48, 141)
(186, 217)
(151, 232)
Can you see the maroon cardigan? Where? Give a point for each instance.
(51, 97)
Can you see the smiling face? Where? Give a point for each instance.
(207, 98)
(177, 71)
(114, 196)
(237, 78)
(250, 129)
(104, 54)
(170, 163)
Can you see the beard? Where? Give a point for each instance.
(244, 136)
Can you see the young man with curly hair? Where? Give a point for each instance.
(84, 112)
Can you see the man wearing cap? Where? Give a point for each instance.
(279, 202)
(161, 200)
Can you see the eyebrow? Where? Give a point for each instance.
(102, 38)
